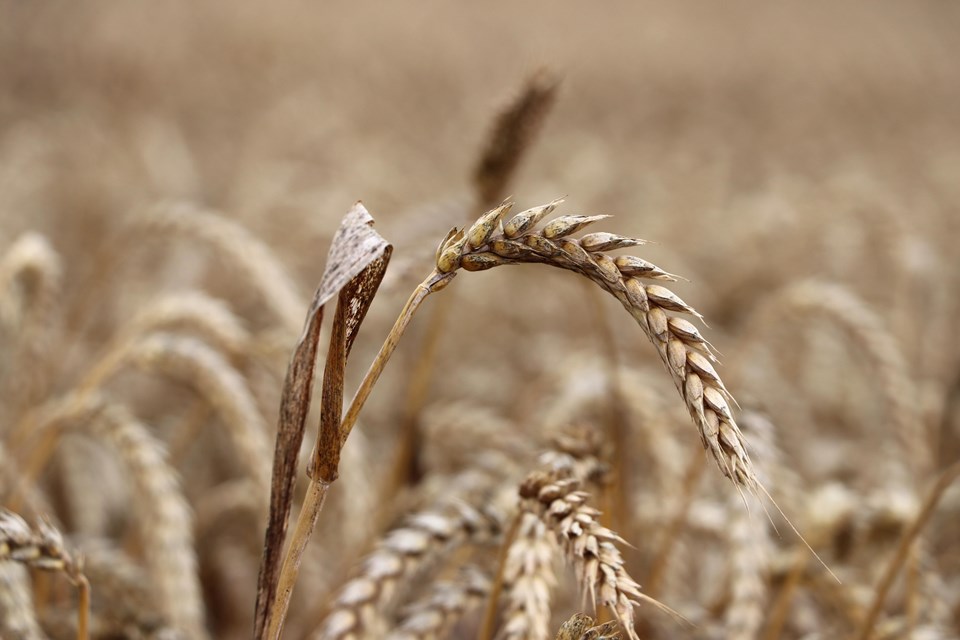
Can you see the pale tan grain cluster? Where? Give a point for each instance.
(365, 604)
(589, 546)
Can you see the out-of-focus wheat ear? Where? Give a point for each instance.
(203, 368)
(230, 579)
(582, 627)
(164, 520)
(93, 490)
(247, 257)
(453, 433)
(513, 131)
(41, 547)
(686, 354)
(366, 603)
(124, 600)
(866, 329)
(447, 601)
(19, 492)
(749, 540)
(588, 546)
(31, 277)
(529, 578)
(195, 312)
(907, 542)
(17, 616)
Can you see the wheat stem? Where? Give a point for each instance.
(317, 489)
(490, 615)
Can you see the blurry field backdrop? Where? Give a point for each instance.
(798, 164)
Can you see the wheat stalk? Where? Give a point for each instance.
(490, 242)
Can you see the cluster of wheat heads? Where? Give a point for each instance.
(477, 544)
(509, 478)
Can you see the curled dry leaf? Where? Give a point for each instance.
(355, 266)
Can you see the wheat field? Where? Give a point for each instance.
(730, 411)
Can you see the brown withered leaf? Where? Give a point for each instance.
(352, 305)
(356, 263)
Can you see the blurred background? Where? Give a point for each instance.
(786, 158)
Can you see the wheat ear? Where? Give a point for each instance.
(529, 578)
(750, 543)
(368, 600)
(203, 368)
(17, 616)
(590, 547)
(433, 616)
(513, 130)
(31, 274)
(490, 242)
(124, 597)
(209, 318)
(42, 548)
(165, 522)
(249, 258)
(583, 627)
(866, 329)
(749, 548)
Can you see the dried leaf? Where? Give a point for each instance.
(357, 260)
